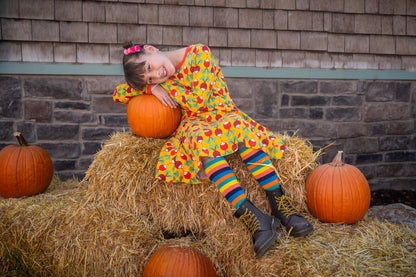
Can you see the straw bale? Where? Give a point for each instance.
(122, 173)
(60, 234)
(110, 223)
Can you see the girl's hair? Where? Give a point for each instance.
(133, 70)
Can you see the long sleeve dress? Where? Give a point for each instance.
(211, 124)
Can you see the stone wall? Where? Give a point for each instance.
(371, 120)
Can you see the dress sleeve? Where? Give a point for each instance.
(205, 65)
(123, 93)
(204, 71)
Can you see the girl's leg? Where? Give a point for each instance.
(261, 226)
(260, 165)
(220, 173)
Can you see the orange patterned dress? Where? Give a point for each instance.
(211, 124)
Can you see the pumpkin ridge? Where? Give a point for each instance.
(357, 202)
(17, 175)
(15, 160)
(346, 189)
(316, 177)
(152, 117)
(316, 192)
(323, 193)
(310, 193)
(36, 169)
(338, 198)
(352, 177)
(171, 260)
(203, 265)
(37, 176)
(149, 269)
(193, 260)
(356, 197)
(6, 172)
(337, 192)
(364, 192)
(158, 262)
(25, 180)
(45, 163)
(334, 191)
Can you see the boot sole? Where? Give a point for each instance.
(263, 249)
(302, 233)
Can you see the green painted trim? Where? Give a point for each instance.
(60, 69)
(28, 68)
(317, 73)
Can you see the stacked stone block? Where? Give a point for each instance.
(372, 121)
(68, 116)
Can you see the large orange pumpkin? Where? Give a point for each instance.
(24, 169)
(148, 117)
(178, 261)
(337, 192)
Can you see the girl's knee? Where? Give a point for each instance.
(241, 145)
(206, 160)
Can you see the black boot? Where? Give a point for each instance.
(261, 226)
(282, 208)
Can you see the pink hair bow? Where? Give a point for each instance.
(132, 50)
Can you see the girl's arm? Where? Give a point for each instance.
(124, 93)
(163, 96)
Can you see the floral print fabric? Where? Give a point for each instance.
(211, 124)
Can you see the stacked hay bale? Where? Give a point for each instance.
(59, 234)
(109, 224)
(122, 175)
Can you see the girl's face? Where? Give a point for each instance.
(158, 67)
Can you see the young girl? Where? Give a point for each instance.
(211, 127)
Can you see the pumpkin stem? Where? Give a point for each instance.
(337, 161)
(21, 139)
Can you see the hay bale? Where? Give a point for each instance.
(59, 233)
(109, 224)
(122, 173)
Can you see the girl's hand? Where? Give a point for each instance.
(164, 96)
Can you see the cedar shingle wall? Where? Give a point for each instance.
(353, 34)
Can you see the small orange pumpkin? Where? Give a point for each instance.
(148, 117)
(24, 169)
(178, 261)
(337, 192)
